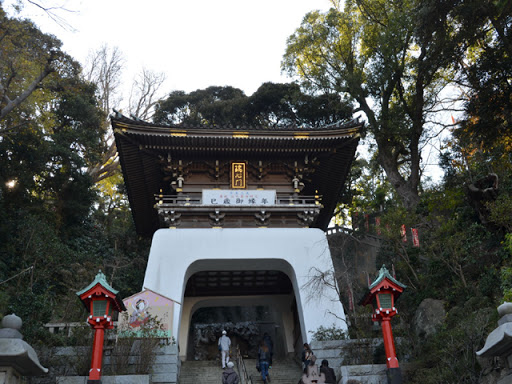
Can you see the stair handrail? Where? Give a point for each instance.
(241, 365)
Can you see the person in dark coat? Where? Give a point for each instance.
(313, 375)
(330, 376)
(263, 361)
(229, 376)
(270, 345)
(307, 353)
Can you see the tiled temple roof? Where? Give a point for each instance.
(141, 143)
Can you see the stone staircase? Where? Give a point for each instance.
(199, 372)
(284, 371)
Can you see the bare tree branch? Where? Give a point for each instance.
(104, 68)
(144, 93)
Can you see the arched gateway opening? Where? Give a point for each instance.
(246, 303)
(246, 324)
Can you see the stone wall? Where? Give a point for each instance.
(354, 258)
(364, 374)
(339, 353)
(69, 365)
(167, 365)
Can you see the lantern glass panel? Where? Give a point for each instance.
(99, 307)
(385, 300)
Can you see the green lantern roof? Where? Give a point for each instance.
(99, 279)
(384, 273)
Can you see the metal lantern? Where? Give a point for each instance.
(382, 295)
(101, 301)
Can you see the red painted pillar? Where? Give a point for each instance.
(97, 354)
(389, 343)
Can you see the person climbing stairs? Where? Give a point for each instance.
(284, 371)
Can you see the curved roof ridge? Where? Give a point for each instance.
(119, 117)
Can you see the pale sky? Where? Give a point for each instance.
(196, 43)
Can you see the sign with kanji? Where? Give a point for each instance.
(236, 197)
(238, 176)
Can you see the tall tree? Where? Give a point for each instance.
(27, 58)
(50, 138)
(275, 104)
(103, 68)
(486, 75)
(373, 53)
(54, 231)
(272, 105)
(211, 106)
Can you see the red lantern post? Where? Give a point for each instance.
(101, 301)
(384, 291)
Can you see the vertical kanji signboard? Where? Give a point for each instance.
(238, 175)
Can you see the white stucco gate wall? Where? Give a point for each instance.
(176, 254)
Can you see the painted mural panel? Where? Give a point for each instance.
(147, 313)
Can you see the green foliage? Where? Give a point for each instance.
(485, 132)
(329, 333)
(272, 105)
(55, 232)
(500, 210)
(29, 60)
(506, 283)
(462, 261)
(393, 59)
(372, 50)
(135, 350)
(450, 355)
(508, 243)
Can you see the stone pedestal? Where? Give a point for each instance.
(17, 358)
(499, 341)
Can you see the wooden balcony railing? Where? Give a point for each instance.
(196, 200)
(295, 210)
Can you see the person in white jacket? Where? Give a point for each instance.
(224, 346)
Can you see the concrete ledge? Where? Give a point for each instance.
(368, 374)
(71, 351)
(336, 344)
(170, 378)
(166, 359)
(328, 344)
(164, 368)
(167, 350)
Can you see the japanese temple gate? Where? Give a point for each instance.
(237, 217)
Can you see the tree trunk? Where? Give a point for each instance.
(407, 190)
